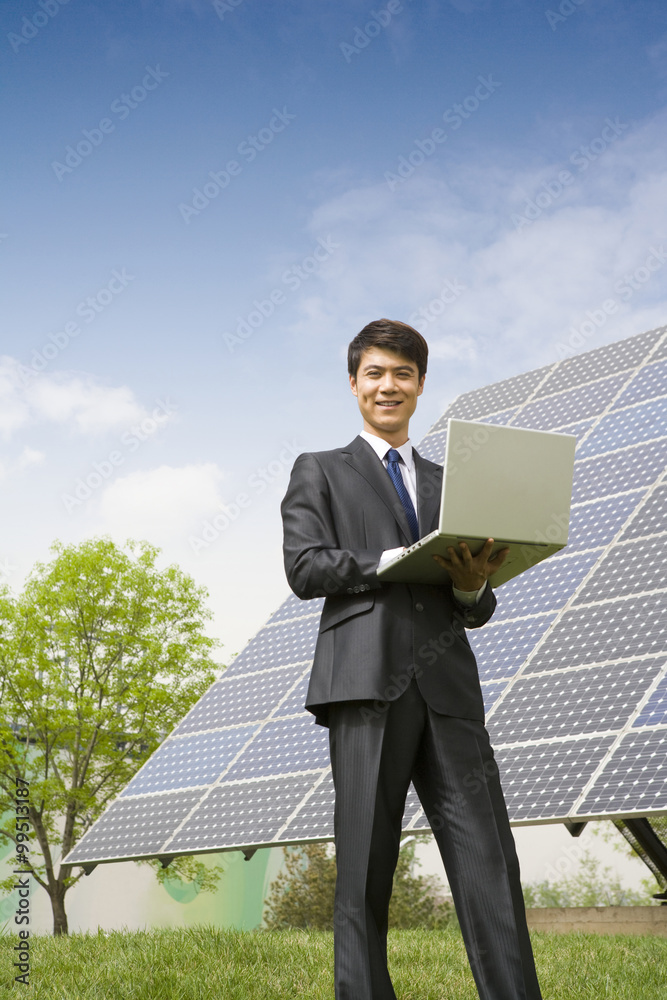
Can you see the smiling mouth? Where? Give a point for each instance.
(388, 404)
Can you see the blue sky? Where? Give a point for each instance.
(531, 139)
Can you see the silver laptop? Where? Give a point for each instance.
(505, 483)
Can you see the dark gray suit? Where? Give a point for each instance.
(396, 681)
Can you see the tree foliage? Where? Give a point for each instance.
(100, 656)
(302, 895)
(590, 884)
(186, 870)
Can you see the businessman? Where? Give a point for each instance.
(396, 682)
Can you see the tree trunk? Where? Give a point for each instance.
(58, 907)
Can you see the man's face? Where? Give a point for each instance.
(387, 386)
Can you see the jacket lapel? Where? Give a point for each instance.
(429, 490)
(364, 460)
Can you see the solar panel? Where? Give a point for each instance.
(573, 664)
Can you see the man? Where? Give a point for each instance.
(396, 681)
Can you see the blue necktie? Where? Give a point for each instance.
(394, 470)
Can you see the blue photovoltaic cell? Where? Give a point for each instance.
(602, 361)
(294, 704)
(634, 780)
(294, 607)
(654, 712)
(639, 423)
(440, 426)
(545, 781)
(614, 630)
(315, 817)
(420, 823)
(661, 351)
(284, 747)
(595, 524)
(192, 760)
(238, 699)
(496, 397)
(570, 406)
(620, 472)
(290, 642)
(576, 430)
(433, 447)
(252, 812)
(413, 808)
(571, 702)
(628, 568)
(135, 827)
(649, 382)
(544, 587)
(500, 419)
(500, 649)
(491, 693)
(651, 518)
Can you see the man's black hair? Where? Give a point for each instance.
(392, 336)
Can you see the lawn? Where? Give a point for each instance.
(204, 963)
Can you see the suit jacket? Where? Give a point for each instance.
(340, 512)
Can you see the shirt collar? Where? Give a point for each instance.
(381, 447)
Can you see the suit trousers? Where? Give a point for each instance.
(376, 750)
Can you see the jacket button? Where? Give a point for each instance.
(419, 606)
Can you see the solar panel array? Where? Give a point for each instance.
(573, 664)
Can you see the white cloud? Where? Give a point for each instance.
(526, 285)
(30, 456)
(28, 398)
(162, 505)
(452, 348)
(14, 410)
(90, 407)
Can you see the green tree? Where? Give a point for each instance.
(100, 656)
(302, 895)
(590, 885)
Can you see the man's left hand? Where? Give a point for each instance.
(469, 572)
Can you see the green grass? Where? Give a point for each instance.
(281, 965)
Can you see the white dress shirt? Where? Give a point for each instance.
(409, 473)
